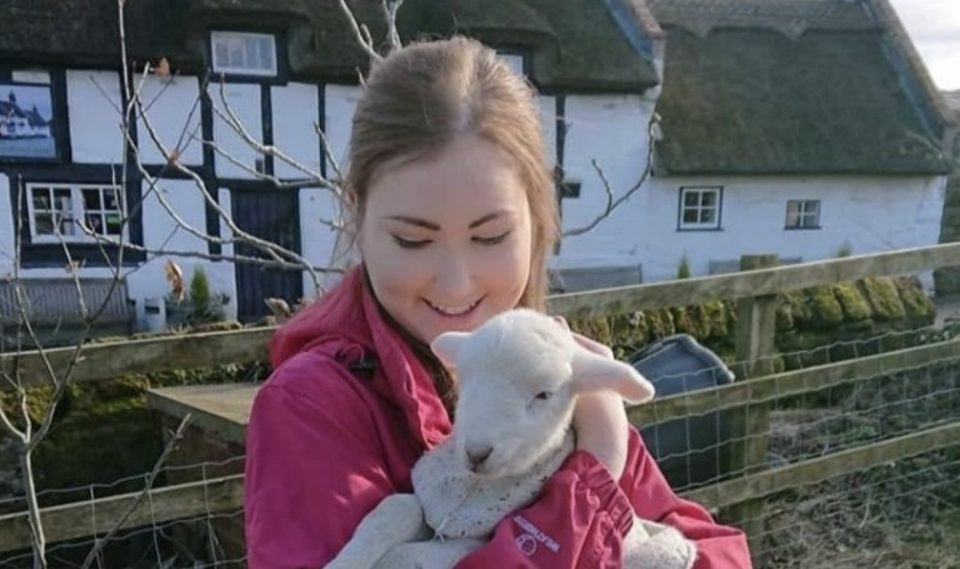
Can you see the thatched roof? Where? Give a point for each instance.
(786, 86)
(582, 44)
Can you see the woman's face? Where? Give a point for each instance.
(447, 240)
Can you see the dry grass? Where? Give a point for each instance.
(898, 515)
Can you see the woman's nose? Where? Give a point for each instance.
(454, 274)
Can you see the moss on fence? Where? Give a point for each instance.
(816, 325)
(103, 432)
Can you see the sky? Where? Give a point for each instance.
(934, 27)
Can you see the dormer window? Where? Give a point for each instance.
(242, 53)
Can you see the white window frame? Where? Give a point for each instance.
(802, 213)
(216, 37)
(77, 212)
(700, 208)
(516, 61)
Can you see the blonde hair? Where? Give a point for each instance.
(421, 97)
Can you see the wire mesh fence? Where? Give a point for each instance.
(871, 512)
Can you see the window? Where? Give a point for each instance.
(803, 214)
(700, 208)
(514, 60)
(244, 53)
(74, 212)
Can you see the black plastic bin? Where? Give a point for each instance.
(691, 451)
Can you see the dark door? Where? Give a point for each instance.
(272, 215)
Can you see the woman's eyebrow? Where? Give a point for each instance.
(420, 222)
(414, 221)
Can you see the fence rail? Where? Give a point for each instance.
(757, 391)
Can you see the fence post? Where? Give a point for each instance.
(750, 426)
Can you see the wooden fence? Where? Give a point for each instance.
(749, 398)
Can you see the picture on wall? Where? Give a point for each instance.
(26, 122)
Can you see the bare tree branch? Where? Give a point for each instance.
(328, 154)
(612, 204)
(230, 117)
(361, 33)
(390, 8)
(269, 248)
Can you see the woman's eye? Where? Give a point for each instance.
(409, 243)
(495, 240)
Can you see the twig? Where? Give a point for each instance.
(361, 33)
(151, 479)
(328, 152)
(390, 8)
(613, 204)
(270, 248)
(230, 117)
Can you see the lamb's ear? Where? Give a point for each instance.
(593, 372)
(446, 346)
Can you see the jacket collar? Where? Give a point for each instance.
(351, 312)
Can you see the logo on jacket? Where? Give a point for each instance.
(528, 541)
(527, 544)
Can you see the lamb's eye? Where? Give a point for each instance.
(544, 395)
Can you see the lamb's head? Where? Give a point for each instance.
(519, 375)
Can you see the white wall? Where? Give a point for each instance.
(95, 111)
(341, 102)
(173, 199)
(295, 112)
(870, 214)
(611, 130)
(243, 101)
(318, 208)
(7, 240)
(172, 108)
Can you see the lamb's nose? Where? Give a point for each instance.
(478, 454)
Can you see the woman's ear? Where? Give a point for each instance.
(447, 346)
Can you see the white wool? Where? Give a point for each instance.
(519, 375)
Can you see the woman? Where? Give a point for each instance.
(454, 216)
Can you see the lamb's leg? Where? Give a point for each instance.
(650, 545)
(434, 554)
(397, 519)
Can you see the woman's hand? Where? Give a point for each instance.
(600, 419)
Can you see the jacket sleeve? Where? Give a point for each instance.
(299, 512)
(578, 520)
(718, 546)
(581, 516)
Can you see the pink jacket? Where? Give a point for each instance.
(347, 412)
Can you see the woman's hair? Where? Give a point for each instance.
(421, 97)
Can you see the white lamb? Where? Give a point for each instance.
(519, 375)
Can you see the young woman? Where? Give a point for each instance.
(454, 216)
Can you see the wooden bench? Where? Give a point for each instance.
(52, 306)
(576, 279)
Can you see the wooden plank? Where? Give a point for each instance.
(770, 388)
(112, 360)
(222, 410)
(77, 520)
(685, 292)
(823, 468)
(750, 425)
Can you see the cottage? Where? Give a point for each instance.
(800, 127)
(806, 128)
(284, 68)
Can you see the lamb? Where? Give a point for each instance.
(519, 375)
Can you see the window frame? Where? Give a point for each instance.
(682, 208)
(802, 213)
(228, 70)
(78, 211)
